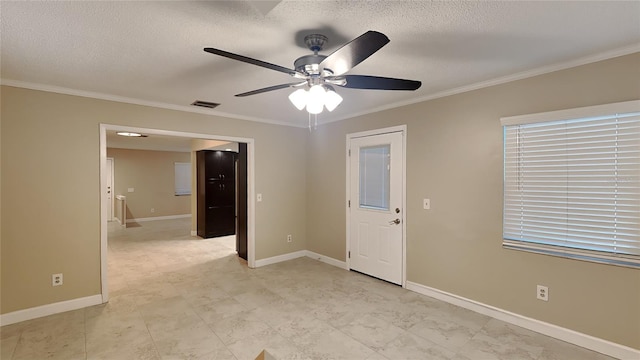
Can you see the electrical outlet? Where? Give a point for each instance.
(426, 204)
(542, 293)
(56, 279)
(153, 210)
(289, 238)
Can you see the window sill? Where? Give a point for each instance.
(573, 254)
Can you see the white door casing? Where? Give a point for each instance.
(375, 213)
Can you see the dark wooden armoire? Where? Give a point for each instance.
(216, 193)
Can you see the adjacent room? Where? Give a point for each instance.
(320, 180)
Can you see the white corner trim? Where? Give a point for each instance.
(168, 217)
(280, 258)
(327, 260)
(49, 309)
(586, 341)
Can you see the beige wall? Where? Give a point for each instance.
(52, 188)
(152, 176)
(454, 157)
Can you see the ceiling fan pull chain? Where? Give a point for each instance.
(315, 122)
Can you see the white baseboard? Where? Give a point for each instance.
(583, 340)
(194, 232)
(327, 260)
(49, 309)
(280, 258)
(168, 217)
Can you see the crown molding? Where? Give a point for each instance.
(627, 50)
(128, 100)
(634, 48)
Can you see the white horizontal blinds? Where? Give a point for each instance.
(574, 184)
(374, 177)
(182, 178)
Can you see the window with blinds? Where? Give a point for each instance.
(572, 183)
(182, 178)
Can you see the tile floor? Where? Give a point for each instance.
(177, 297)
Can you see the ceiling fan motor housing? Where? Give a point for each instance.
(309, 64)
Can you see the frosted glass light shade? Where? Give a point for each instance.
(299, 98)
(331, 100)
(315, 99)
(314, 108)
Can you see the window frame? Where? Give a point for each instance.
(381, 197)
(626, 260)
(182, 169)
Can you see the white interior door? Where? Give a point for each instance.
(109, 189)
(376, 206)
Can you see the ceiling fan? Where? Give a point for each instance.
(320, 72)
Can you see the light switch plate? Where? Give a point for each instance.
(426, 204)
(259, 197)
(130, 189)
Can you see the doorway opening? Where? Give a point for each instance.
(105, 208)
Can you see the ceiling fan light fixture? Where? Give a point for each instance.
(315, 99)
(299, 98)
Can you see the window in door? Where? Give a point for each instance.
(374, 177)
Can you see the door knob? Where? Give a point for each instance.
(396, 222)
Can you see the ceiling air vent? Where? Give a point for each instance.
(205, 104)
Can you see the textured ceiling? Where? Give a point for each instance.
(152, 52)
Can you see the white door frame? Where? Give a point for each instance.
(251, 206)
(402, 129)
